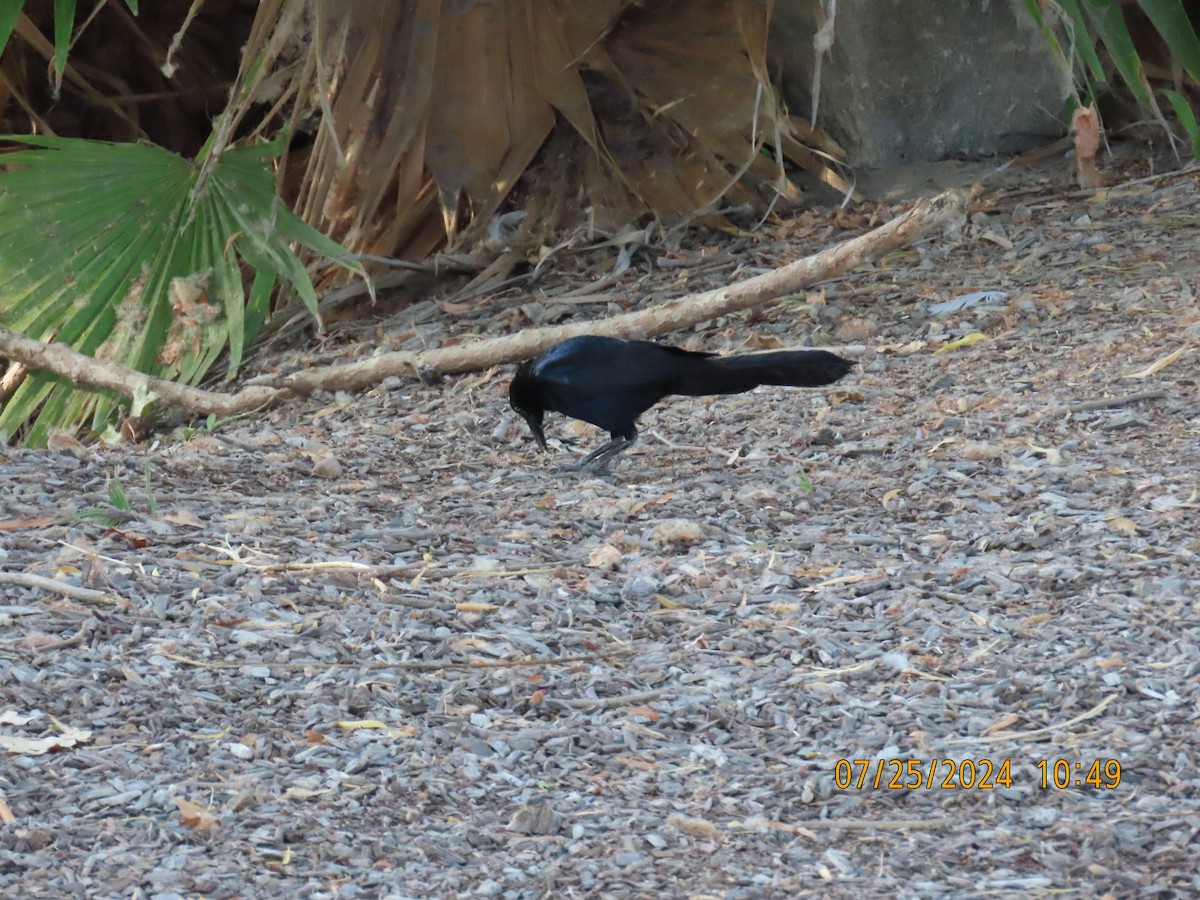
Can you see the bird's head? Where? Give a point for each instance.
(524, 400)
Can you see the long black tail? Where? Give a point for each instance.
(736, 374)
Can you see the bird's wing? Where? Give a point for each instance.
(592, 366)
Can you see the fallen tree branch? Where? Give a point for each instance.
(670, 316)
(81, 369)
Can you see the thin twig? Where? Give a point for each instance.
(25, 579)
(1058, 726)
(606, 702)
(1111, 402)
(72, 641)
(868, 824)
(420, 570)
(413, 665)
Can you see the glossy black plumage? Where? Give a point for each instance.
(609, 382)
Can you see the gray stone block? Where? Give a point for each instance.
(910, 81)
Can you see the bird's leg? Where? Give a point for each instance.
(599, 459)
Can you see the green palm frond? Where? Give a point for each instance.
(10, 11)
(119, 251)
(1187, 118)
(1108, 23)
(1077, 35)
(1173, 24)
(64, 29)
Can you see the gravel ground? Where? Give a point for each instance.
(374, 646)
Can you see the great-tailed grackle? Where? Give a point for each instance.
(610, 382)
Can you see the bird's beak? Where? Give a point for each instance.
(535, 425)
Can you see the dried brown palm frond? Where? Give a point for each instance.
(123, 77)
(425, 116)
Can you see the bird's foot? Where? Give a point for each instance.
(598, 460)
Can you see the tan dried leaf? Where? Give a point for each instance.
(1053, 456)
(196, 817)
(475, 606)
(12, 717)
(327, 467)
(1123, 525)
(1004, 723)
(37, 641)
(676, 532)
(183, 517)
(979, 450)
(1156, 367)
(67, 738)
(644, 711)
(857, 329)
(65, 442)
(636, 762)
(762, 342)
(535, 818)
(606, 557)
(1086, 125)
(697, 828)
(299, 793)
(759, 494)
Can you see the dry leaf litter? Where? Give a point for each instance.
(373, 646)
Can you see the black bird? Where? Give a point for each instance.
(610, 382)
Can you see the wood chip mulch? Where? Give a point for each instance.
(374, 646)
